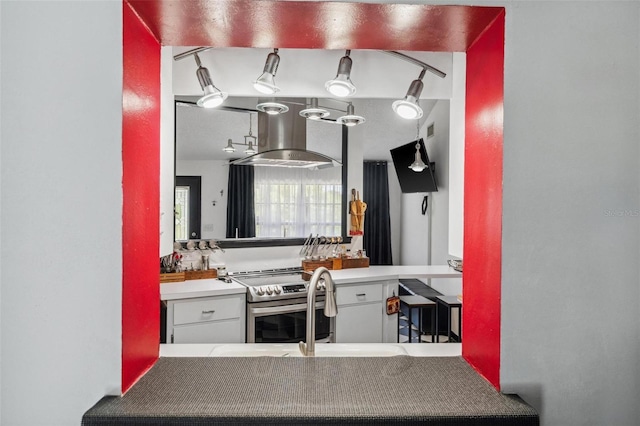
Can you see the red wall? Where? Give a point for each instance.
(483, 152)
(141, 192)
(482, 251)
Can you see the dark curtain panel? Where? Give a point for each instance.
(241, 214)
(377, 224)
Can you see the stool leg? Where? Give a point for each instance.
(433, 320)
(398, 328)
(437, 325)
(409, 324)
(449, 325)
(460, 324)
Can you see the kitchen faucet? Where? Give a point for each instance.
(321, 278)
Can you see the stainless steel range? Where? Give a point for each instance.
(277, 306)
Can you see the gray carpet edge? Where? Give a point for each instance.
(398, 390)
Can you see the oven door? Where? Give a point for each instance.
(285, 321)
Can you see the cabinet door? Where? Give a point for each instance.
(359, 323)
(230, 331)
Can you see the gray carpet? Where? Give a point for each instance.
(398, 390)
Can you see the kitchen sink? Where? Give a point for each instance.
(322, 350)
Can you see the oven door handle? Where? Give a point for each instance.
(283, 309)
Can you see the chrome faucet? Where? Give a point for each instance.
(320, 279)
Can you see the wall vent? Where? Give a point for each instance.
(431, 130)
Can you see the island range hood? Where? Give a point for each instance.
(282, 142)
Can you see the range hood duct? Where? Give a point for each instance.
(282, 142)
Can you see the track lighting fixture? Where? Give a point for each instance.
(229, 147)
(342, 86)
(272, 108)
(313, 112)
(266, 82)
(350, 119)
(212, 97)
(409, 107)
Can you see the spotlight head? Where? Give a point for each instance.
(342, 86)
(314, 112)
(350, 119)
(212, 97)
(266, 82)
(408, 107)
(272, 108)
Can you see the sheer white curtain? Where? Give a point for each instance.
(297, 202)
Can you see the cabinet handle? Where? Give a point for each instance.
(208, 312)
(361, 294)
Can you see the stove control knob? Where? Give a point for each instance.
(277, 289)
(260, 291)
(269, 290)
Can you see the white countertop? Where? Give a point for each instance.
(199, 288)
(216, 287)
(390, 272)
(207, 349)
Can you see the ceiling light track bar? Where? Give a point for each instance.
(415, 61)
(188, 53)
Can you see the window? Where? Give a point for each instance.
(187, 208)
(182, 213)
(297, 202)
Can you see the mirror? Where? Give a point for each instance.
(200, 136)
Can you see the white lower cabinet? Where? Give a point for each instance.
(217, 319)
(362, 316)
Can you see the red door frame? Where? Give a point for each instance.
(140, 198)
(477, 30)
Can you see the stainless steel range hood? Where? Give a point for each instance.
(282, 142)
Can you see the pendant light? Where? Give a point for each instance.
(409, 107)
(342, 86)
(250, 141)
(350, 119)
(266, 82)
(418, 165)
(212, 97)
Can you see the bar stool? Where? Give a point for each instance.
(449, 302)
(418, 302)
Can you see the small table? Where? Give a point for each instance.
(449, 302)
(419, 302)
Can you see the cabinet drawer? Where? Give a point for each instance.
(349, 295)
(228, 331)
(210, 309)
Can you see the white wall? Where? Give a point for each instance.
(61, 209)
(439, 151)
(415, 244)
(215, 175)
(570, 278)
